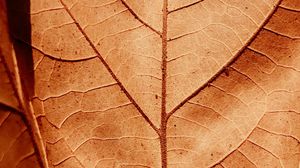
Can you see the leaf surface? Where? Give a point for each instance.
(208, 83)
(8, 96)
(16, 142)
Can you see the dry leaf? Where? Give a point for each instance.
(127, 83)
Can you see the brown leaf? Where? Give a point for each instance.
(8, 96)
(195, 83)
(19, 131)
(16, 147)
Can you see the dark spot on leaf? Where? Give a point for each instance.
(226, 71)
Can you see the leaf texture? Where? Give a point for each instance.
(16, 145)
(195, 83)
(8, 96)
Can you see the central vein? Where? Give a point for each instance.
(163, 125)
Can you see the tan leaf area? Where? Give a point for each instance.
(170, 84)
(249, 115)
